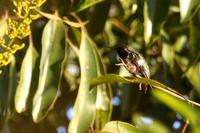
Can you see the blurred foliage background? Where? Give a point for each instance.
(46, 85)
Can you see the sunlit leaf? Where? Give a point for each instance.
(194, 37)
(53, 53)
(23, 88)
(154, 13)
(129, 7)
(119, 127)
(186, 8)
(104, 94)
(3, 26)
(84, 108)
(180, 42)
(148, 125)
(193, 75)
(87, 103)
(167, 49)
(108, 30)
(121, 26)
(11, 87)
(182, 62)
(188, 111)
(192, 71)
(84, 4)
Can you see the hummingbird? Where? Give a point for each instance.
(134, 63)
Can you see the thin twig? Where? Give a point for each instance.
(183, 130)
(65, 19)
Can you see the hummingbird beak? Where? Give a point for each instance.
(119, 64)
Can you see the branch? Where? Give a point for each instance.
(112, 78)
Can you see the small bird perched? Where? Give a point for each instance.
(134, 63)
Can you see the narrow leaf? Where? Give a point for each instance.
(192, 71)
(84, 108)
(168, 52)
(148, 125)
(193, 75)
(4, 81)
(11, 87)
(194, 37)
(186, 8)
(188, 111)
(84, 4)
(88, 103)
(119, 127)
(98, 18)
(53, 53)
(3, 25)
(23, 88)
(155, 12)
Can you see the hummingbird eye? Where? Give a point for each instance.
(122, 52)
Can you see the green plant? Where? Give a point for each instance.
(17, 29)
(68, 62)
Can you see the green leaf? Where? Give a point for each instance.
(194, 39)
(151, 127)
(98, 18)
(119, 127)
(109, 33)
(84, 106)
(182, 62)
(180, 42)
(186, 9)
(3, 26)
(104, 94)
(129, 7)
(52, 56)
(11, 88)
(193, 75)
(84, 4)
(155, 12)
(192, 71)
(4, 81)
(188, 111)
(168, 52)
(24, 86)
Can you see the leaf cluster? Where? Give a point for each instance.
(68, 66)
